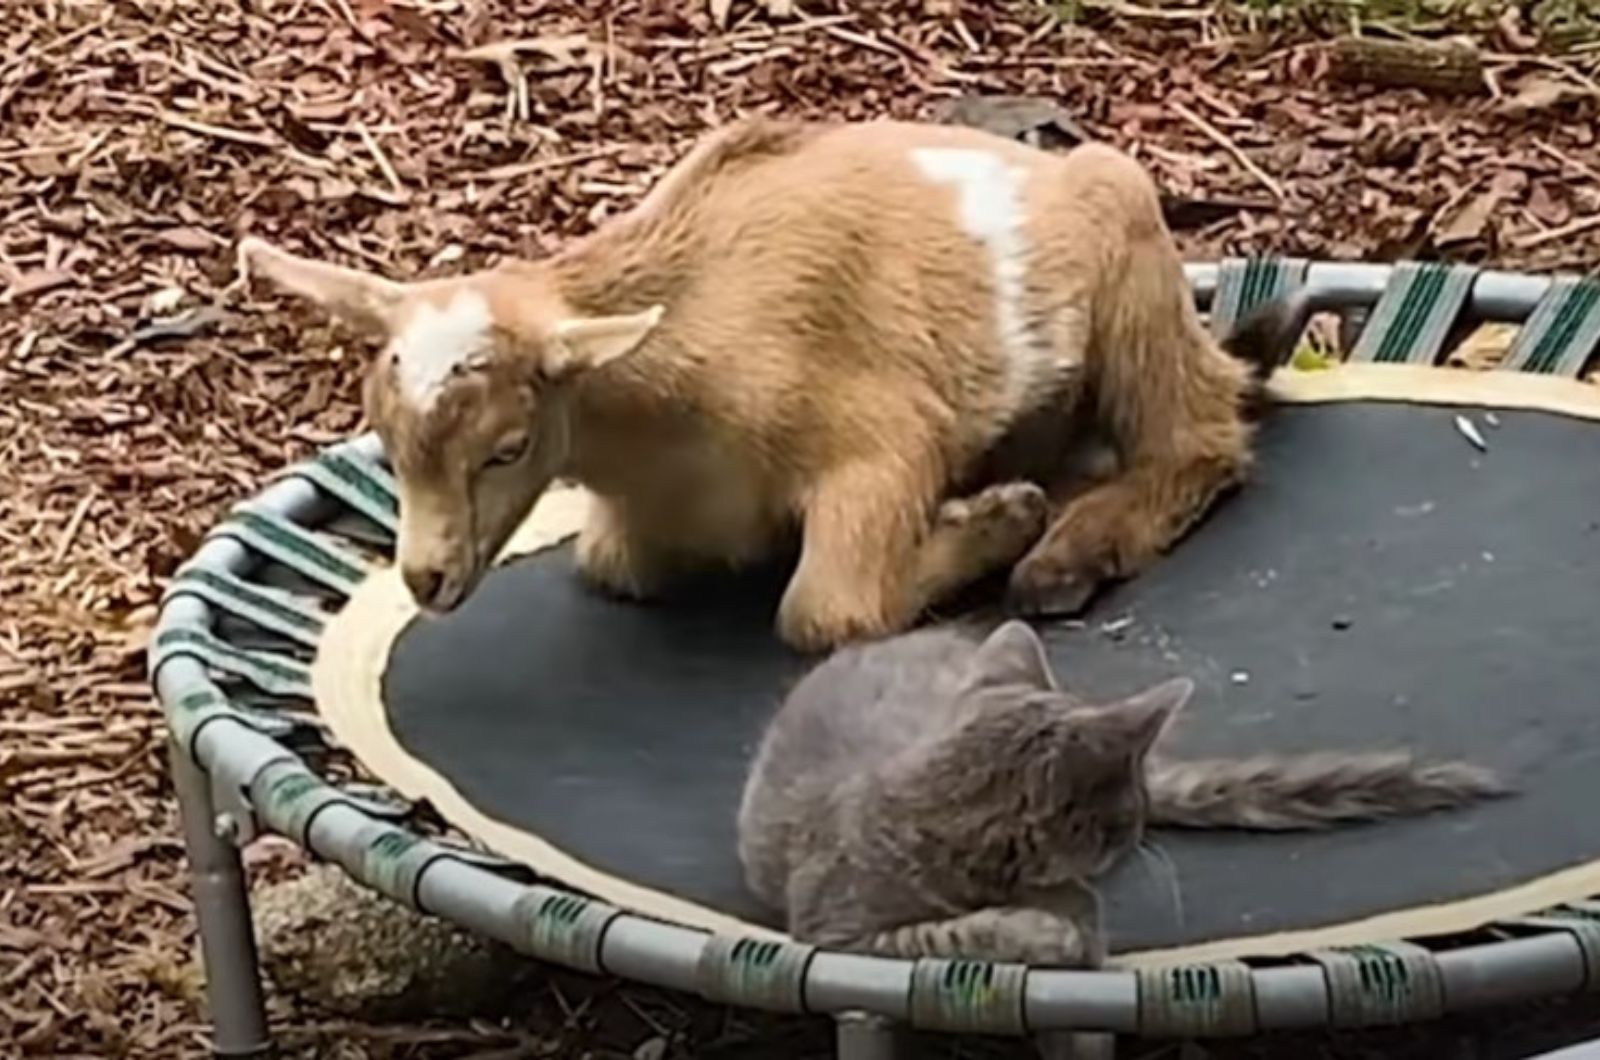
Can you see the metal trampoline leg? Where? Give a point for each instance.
(861, 1036)
(1076, 1045)
(222, 907)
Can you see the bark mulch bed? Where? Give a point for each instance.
(139, 394)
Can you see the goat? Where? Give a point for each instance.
(879, 337)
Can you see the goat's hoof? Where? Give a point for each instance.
(1018, 506)
(1042, 591)
(811, 637)
(811, 623)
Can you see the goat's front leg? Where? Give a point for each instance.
(876, 551)
(1118, 528)
(615, 555)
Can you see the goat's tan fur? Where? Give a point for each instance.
(794, 332)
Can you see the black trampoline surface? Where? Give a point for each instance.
(1380, 582)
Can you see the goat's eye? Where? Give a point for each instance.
(509, 451)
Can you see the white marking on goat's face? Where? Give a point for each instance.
(437, 340)
(991, 210)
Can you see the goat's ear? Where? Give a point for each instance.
(362, 299)
(580, 343)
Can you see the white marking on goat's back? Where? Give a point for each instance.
(436, 340)
(992, 210)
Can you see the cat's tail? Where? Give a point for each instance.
(1303, 792)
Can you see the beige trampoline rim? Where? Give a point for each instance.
(354, 652)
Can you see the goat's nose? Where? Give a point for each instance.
(424, 583)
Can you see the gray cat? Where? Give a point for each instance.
(937, 794)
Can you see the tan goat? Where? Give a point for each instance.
(877, 335)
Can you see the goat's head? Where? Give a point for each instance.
(470, 396)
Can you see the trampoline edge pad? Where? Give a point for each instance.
(1419, 384)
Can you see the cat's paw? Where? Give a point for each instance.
(1034, 936)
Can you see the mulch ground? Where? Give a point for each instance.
(139, 395)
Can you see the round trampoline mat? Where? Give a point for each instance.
(1381, 581)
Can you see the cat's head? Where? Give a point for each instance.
(1063, 778)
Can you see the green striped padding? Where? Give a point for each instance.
(359, 484)
(274, 610)
(1199, 1000)
(1561, 333)
(1396, 982)
(1414, 316)
(296, 548)
(273, 674)
(1246, 283)
(1581, 921)
(392, 860)
(194, 709)
(565, 928)
(974, 997)
(755, 973)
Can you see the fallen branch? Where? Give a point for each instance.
(216, 132)
(1453, 68)
(1583, 224)
(70, 534)
(1217, 137)
(1587, 170)
(514, 170)
(382, 159)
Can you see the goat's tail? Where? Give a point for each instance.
(1265, 338)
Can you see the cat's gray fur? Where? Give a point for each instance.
(937, 794)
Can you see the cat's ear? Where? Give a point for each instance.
(1011, 655)
(1142, 718)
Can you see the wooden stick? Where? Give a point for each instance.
(220, 132)
(74, 524)
(1129, 10)
(383, 160)
(1583, 224)
(1216, 136)
(513, 170)
(733, 66)
(860, 40)
(1560, 156)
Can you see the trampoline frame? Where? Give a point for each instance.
(223, 766)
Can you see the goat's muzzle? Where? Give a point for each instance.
(434, 589)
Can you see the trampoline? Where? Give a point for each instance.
(1415, 562)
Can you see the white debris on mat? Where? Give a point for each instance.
(1469, 431)
(1117, 626)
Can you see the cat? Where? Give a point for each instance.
(939, 794)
